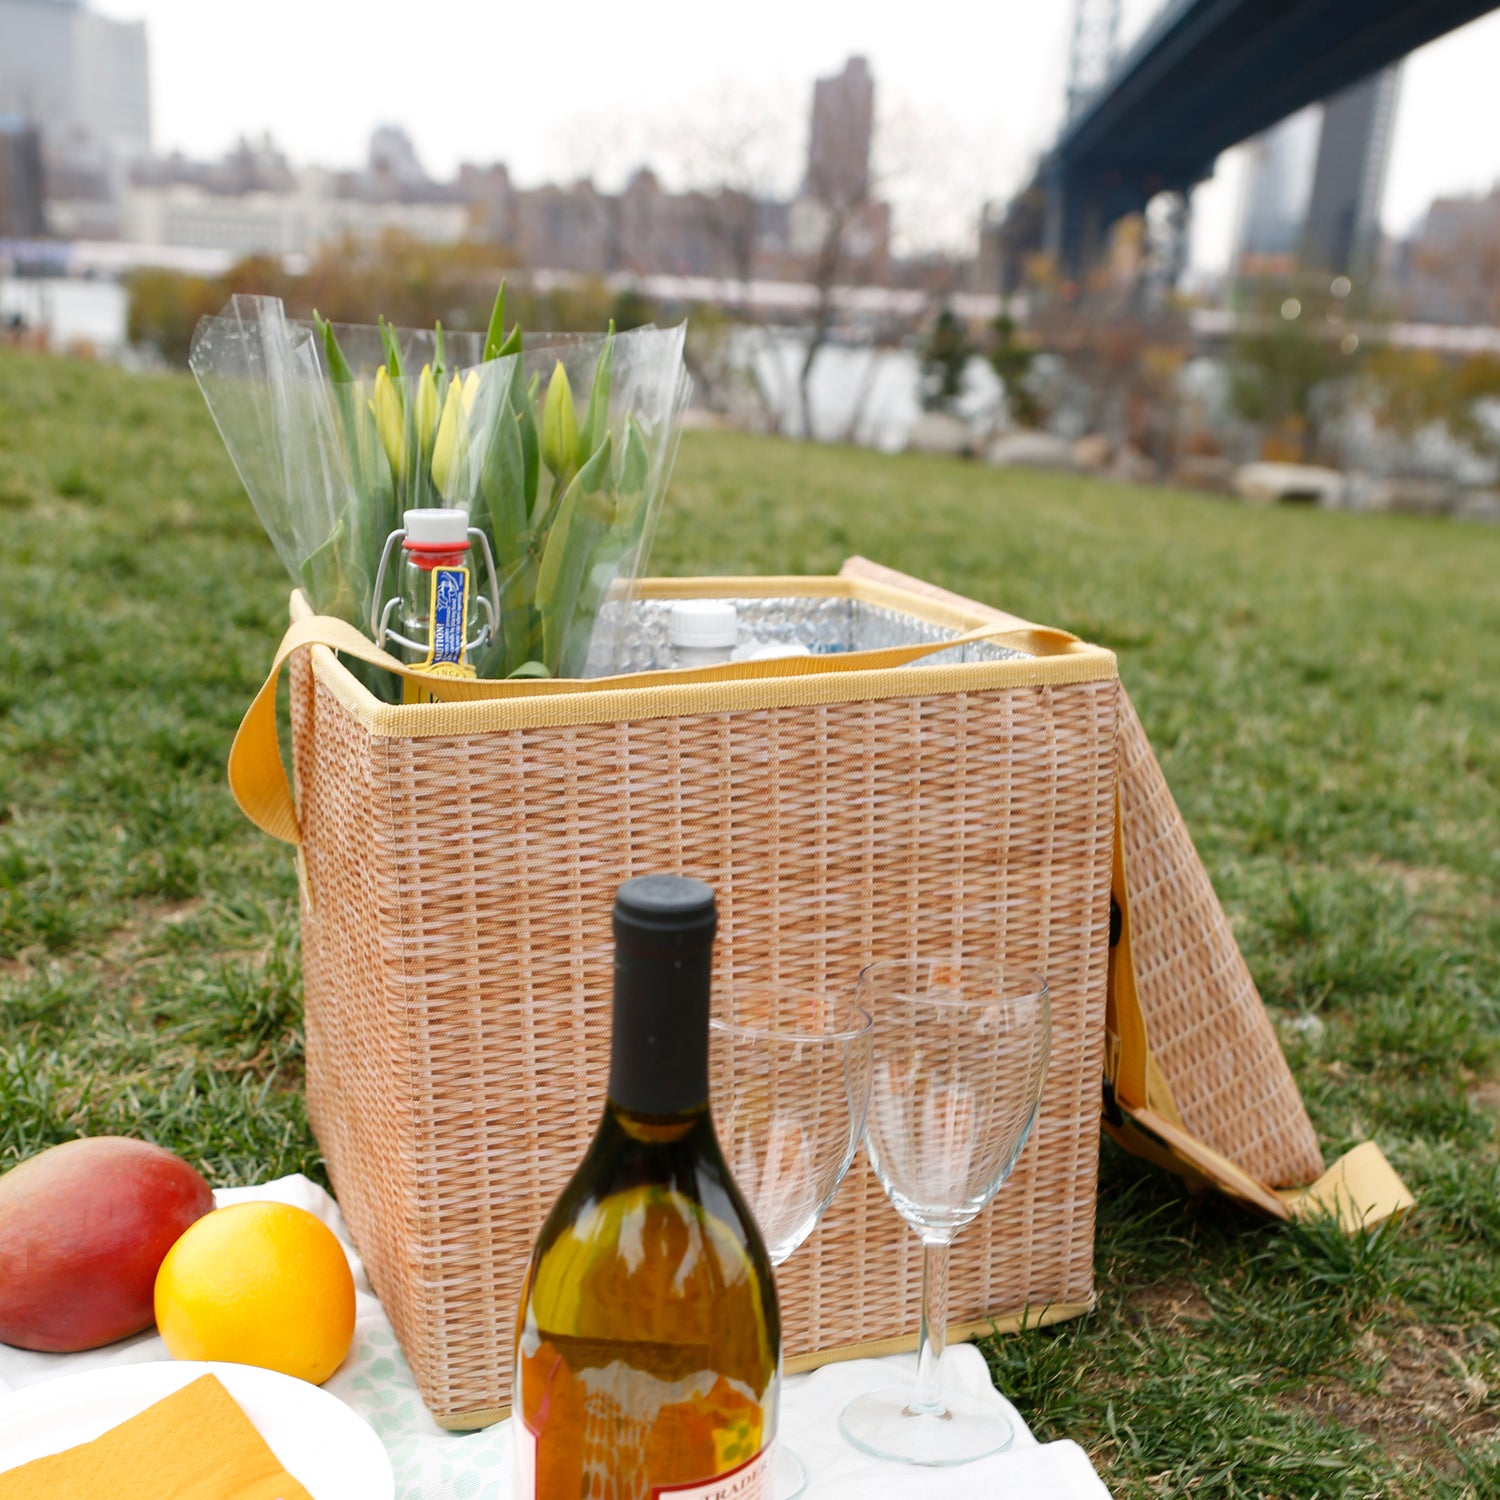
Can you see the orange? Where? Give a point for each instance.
(258, 1284)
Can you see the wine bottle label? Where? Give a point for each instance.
(614, 1429)
(751, 1481)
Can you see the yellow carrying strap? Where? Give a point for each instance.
(1360, 1190)
(257, 776)
(258, 779)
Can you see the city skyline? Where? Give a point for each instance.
(959, 124)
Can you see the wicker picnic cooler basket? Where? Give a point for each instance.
(458, 862)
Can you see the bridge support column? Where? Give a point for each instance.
(1074, 226)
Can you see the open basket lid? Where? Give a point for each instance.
(1195, 1079)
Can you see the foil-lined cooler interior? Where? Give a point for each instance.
(632, 635)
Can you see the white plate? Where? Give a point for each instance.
(318, 1439)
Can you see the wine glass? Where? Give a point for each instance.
(960, 1056)
(790, 1081)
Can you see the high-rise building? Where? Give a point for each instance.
(1342, 233)
(1451, 269)
(81, 79)
(113, 80)
(394, 160)
(21, 213)
(1278, 183)
(1314, 183)
(36, 60)
(843, 121)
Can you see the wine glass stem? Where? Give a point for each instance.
(929, 1394)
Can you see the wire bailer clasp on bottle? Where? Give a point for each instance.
(381, 607)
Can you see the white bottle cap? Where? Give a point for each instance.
(704, 624)
(438, 527)
(776, 650)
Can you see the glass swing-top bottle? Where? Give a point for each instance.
(436, 605)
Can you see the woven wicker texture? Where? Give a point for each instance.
(1204, 1016)
(457, 962)
(1207, 1027)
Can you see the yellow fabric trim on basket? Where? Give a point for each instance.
(1124, 1025)
(674, 699)
(258, 777)
(958, 1333)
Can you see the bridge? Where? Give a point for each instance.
(1205, 75)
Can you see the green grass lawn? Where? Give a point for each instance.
(1323, 692)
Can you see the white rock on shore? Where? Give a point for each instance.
(1272, 484)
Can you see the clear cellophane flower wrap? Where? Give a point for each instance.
(336, 431)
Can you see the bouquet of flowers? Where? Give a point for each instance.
(338, 431)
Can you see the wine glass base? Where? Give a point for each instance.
(788, 1474)
(884, 1424)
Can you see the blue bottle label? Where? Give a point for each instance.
(450, 599)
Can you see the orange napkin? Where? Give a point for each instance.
(195, 1444)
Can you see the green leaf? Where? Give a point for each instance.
(392, 347)
(570, 543)
(631, 508)
(530, 444)
(338, 366)
(494, 344)
(635, 461)
(596, 484)
(530, 669)
(596, 421)
(345, 396)
(512, 344)
(595, 474)
(361, 530)
(332, 579)
(503, 483)
(439, 357)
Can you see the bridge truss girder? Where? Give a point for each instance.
(1206, 75)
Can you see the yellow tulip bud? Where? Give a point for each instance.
(427, 405)
(559, 436)
(471, 390)
(447, 448)
(390, 421)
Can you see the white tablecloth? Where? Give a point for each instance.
(432, 1464)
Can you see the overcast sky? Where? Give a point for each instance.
(968, 93)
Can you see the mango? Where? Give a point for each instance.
(83, 1228)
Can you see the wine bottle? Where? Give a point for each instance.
(648, 1347)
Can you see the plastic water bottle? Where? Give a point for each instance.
(702, 632)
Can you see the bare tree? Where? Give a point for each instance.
(834, 228)
(836, 214)
(732, 171)
(736, 163)
(856, 161)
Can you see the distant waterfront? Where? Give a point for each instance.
(862, 395)
(75, 311)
